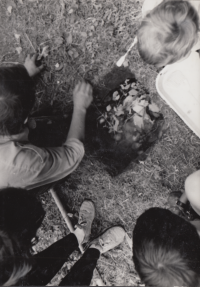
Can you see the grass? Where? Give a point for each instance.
(100, 32)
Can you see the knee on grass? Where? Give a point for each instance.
(192, 190)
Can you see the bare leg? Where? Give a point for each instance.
(178, 201)
(183, 198)
(192, 190)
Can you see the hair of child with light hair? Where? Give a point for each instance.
(166, 250)
(168, 33)
(14, 264)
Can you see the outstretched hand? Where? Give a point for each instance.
(82, 95)
(31, 67)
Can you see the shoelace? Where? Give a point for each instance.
(101, 242)
(82, 220)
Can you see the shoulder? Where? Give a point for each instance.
(74, 143)
(21, 155)
(30, 151)
(20, 163)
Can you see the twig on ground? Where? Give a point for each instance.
(13, 63)
(30, 43)
(62, 4)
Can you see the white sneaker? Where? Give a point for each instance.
(109, 239)
(86, 217)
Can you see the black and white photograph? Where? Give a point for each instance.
(100, 143)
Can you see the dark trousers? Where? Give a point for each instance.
(48, 262)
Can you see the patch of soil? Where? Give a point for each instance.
(118, 149)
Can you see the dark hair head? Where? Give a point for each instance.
(16, 98)
(166, 249)
(168, 33)
(15, 260)
(20, 213)
(20, 216)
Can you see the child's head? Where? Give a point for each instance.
(14, 260)
(166, 249)
(168, 33)
(21, 215)
(16, 98)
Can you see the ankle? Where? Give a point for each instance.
(180, 204)
(79, 233)
(183, 198)
(96, 247)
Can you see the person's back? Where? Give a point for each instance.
(166, 250)
(23, 164)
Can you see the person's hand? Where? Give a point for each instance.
(82, 95)
(31, 67)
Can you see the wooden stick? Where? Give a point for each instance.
(13, 63)
(65, 216)
(30, 43)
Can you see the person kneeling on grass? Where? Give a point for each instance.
(169, 36)
(19, 267)
(166, 250)
(187, 204)
(23, 164)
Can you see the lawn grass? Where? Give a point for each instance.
(100, 32)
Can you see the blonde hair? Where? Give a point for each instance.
(168, 33)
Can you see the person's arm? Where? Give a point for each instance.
(82, 97)
(46, 165)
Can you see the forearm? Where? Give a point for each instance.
(77, 127)
(82, 98)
